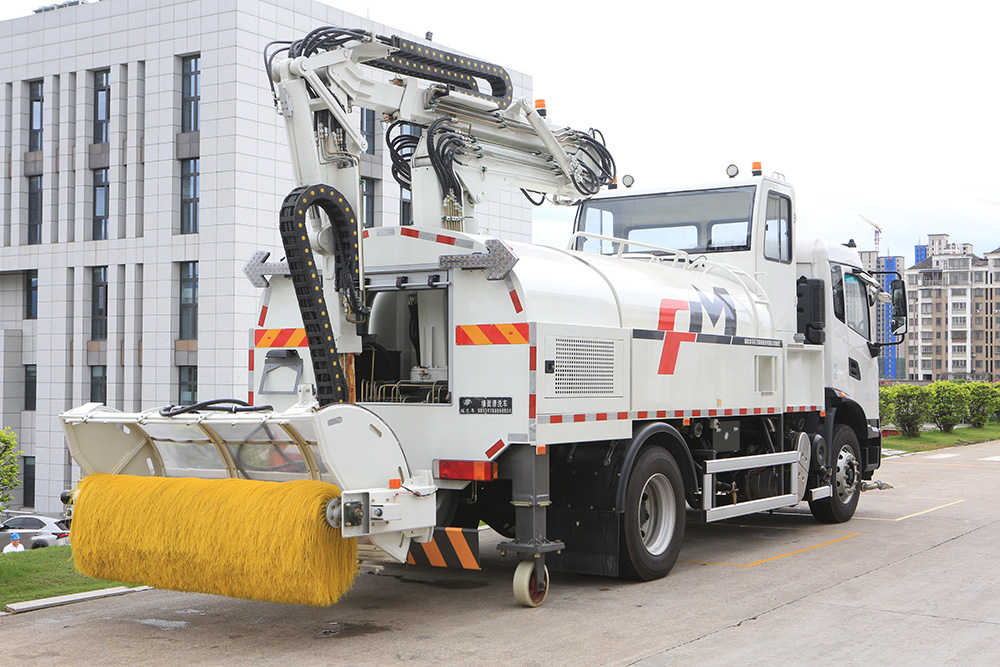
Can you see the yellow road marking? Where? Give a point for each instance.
(964, 465)
(909, 516)
(790, 553)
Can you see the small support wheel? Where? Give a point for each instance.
(528, 590)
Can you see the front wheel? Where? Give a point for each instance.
(843, 502)
(654, 516)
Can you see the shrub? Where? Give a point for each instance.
(911, 408)
(886, 405)
(8, 465)
(984, 400)
(949, 404)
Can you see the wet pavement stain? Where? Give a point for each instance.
(337, 629)
(445, 584)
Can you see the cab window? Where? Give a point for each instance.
(856, 305)
(778, 229)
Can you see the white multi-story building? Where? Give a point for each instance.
(954, 314)
(143, 164)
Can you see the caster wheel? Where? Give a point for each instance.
(528, 590)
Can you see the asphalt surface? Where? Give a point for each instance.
(911, 580)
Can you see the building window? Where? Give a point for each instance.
(101, 204)
(189, 195)
(368, 129)
(368, 202)
(99, 303)
(187, 385)
(102, 105)
(31, 294)
(189, 301)
(30, 386)
(99, 384)
(405, 206)
(28, 485)
(34, 210)
(191, 94)
(35, 96)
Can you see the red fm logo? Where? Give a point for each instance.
(715, 306)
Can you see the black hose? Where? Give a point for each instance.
(527, 195)
(231, 405)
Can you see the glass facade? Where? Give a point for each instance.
(188, 329)
(102, 106)
(191, 94)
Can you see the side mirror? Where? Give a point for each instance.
(898, 323)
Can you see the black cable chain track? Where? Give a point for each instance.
(331, 380)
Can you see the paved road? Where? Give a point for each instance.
(912, 580)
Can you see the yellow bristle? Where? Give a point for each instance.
(234, 537)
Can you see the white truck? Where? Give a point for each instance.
(686, 348)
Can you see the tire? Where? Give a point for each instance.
(528, 591)
(653, 521)
(38, 545)
(841, 505)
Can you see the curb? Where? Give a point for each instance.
(45, 603)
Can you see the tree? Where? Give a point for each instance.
(984, 400)
(949, 404)
(9, 469)
(911, 408)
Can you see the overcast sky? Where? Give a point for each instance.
(889, 110)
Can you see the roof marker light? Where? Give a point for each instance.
(757, 169)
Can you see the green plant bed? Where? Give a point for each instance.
(929, 440)
(43, 573)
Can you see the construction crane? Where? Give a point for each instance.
(878, 231)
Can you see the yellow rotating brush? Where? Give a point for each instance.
(234, 537)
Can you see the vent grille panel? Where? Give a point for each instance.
(584, 367)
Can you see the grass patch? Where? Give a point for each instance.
(930, 440)
(43, 573)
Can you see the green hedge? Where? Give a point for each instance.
(945, 403)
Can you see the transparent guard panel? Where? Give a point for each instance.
(268, 462)
(185, 459)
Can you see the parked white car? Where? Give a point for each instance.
(36, 531)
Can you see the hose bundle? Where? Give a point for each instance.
(444, 145)
(598, 168)
(401, 150)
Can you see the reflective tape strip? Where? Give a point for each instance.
(410, 232)
(512, 292)
(450, 547)
(497, 446)
(575, 418)
(280, 338)
(492, 334)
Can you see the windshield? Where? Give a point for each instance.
(696, 221)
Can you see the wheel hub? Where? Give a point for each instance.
(848, 475)
(656, 514)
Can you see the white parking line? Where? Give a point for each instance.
(940, 456)
(991, 458)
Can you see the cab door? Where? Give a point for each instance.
(855, 371)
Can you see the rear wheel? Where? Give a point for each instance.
(654, 516)
(843, 502)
